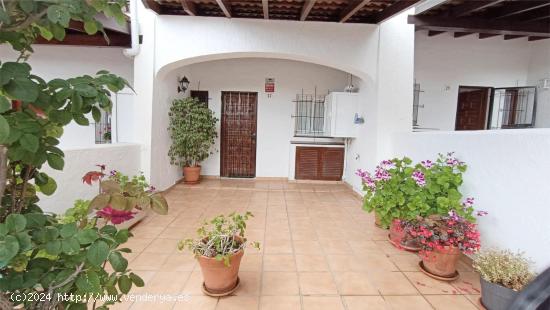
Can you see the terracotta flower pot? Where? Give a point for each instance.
(401, 239)
(442, 263)
(397, 234)
(191, 175)
(219, 279)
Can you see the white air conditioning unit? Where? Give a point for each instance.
(340, 111)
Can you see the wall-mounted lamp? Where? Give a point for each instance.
(183, 84)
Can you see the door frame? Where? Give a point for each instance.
(490, 95)
(222, 146)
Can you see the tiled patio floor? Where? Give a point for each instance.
(319, 251)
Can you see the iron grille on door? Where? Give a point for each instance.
(513, 107)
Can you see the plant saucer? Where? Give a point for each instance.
(229, 292)
(453, 277)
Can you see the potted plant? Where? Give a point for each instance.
(122, 200)
(503, 275)
(219, 248)
(193, 132)
(442, 240)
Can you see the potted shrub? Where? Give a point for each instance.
(122, 200)
(399, 191)
(219, 248)
(442, 240)
(193, 132)
(503, 275)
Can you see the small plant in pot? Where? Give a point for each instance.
(443, 239)
(193, 132)
(219, 249)
(503, 275)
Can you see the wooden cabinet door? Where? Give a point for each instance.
(238, 134)
(319, 163)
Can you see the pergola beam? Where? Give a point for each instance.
(393, 10)
(152, 5)
(352, 8)
(516, 8)
(265, 8)
(116, 39)
(534, 38)
(535, 15)
(461, 34)
(189, 7)
(471, 7)
(308, 5)
(479, 25)
(511, 37)
(432, 33)
(225, 6)
(487, 35)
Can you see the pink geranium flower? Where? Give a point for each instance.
(115, 216)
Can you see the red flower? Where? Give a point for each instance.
(115, 216)
(92, 176)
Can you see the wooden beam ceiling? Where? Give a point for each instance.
(534, 38)
(225, 6)
(152, 5)
(432, 33)
(516, 8)
(461, 34)
(265, 8)
(511, 37)
(115, 40)
(535, 15)
(479, 25)
(189, 7)
(308, 5)
(487, 35)
(352, 8)
(469, 7)
(392, 10)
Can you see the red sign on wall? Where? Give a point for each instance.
(269, 85)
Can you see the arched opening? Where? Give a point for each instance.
(276, 138)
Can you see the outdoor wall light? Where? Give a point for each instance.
(183, 84)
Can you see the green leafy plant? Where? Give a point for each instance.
(192, 130)
(220, 238)
(502, 267)
(40, 252)
(399, 189)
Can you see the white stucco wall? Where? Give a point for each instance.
(78, 161)
(507, 176)
(539, 68)
(443, 62)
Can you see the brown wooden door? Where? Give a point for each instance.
(319, 163)
(471, 113)
(238, 134)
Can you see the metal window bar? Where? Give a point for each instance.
(309, 115)
(513, 107)
(103, 129)
(416, 103)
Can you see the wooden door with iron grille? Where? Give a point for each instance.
(238, 134)
(471, 112)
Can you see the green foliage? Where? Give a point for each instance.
(77, 214)
(401, 197)
(192, 130)
(220, 238)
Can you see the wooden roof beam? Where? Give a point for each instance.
(535, 15)
(511, 37)
(515, 8)
(116, 39)
(487, 35)
(265, 8)
(352, 8)
(225, 6)
(479, 25)
(189, 7)
(432, 33)
(471, 7)
(308, 5)
(393, 10)
(152, 5)
(537, 38)
(461, 34)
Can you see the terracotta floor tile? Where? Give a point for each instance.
(406, 262)
(280, 283)
(428, 285)
(354, 283)
(475, 300)
(280, 246)
(317, 283)
(148, 261)
(137, 244)
(407, 302)
(392, 283)
(280, 303)
(311, 263)
(279, 262)
(179, 262)
(306, 247)
(450, 302)
(322, 303)
(164, 282)
(250, 283)
(193, 284)
(197, 303)
(365, 303)
(237, 303)
(251, 262)
(163, 246)
(468, 283)
(335, 247)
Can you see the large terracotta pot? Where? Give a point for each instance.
(442, 263)
(397, 234)
(191, 175)
(401, 239)
(219, 279)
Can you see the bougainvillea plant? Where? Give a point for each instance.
(399, 189)
(436, 232)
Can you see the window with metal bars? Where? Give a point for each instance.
(309, 115)
(103, 129)
(513, 107)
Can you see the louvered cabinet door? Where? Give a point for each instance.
(319, 163)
